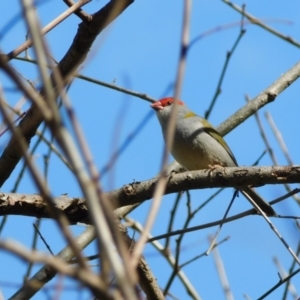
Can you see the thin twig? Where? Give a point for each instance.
(257, 22)
(266, 141)
(170, 259)
(204, 253)
(85, 17)
(289, 272)
(279, 137)
(160, 187)
(283, 274)
(223, 27)
(42, 238)
(276, 231)
(178, 246)
(212, 224)
(213, 240)
(33, 247)
(282, 145)
(281, 282)
(47, 28)
(112, 86)
(224, 69)
(172, 217)
(221, 272)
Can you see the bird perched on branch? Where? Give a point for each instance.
(198, 145)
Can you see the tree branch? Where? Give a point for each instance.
(137, 192)
(265, 97)
(76, 54)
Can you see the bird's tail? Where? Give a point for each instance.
(252, 195)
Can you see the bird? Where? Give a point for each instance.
(198, 145)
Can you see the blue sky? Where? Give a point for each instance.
(140, 51)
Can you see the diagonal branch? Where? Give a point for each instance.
(265, 97)
(14, 53)
(91, 280)
(76, 54)
(257, 22)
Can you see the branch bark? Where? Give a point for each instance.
(138, 192)
(83, 40)
(265, 97)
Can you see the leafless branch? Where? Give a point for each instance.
(137, 192)
(265, 97)
(257, 22)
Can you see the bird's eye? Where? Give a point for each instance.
(169, 103)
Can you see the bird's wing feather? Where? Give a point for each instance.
(209, 129)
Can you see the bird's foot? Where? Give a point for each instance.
(211, 168)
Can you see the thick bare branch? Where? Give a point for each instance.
(222, 177)
(137, 192)
(76, 54)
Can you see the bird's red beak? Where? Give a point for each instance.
(157, 105)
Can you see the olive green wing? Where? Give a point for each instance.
(209, 129)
